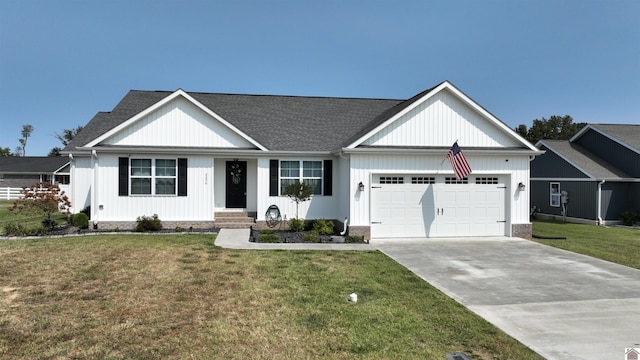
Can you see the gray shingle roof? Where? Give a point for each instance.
(586, 161)
(285, 123)
(295, 123)
(31, 164)
(626, 134)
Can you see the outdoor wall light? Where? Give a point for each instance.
(361, 186)
(521, 186)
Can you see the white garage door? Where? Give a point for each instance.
(419, 206)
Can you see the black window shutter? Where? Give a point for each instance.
(273, 178)
(182, 177)
(328, 177)
(123, 176)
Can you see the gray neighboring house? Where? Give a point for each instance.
(598, 169)
(21, 171)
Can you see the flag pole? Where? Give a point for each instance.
(445, 155)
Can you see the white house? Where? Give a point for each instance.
(192, 158)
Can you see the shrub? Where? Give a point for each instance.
(269, 238)
(267, 231)
(629, 217)
(296, 224)
(353, 239)
(15, 229)
(145, 223)
(80, 220)
(87, 211)
(48, 223)
(310, 237)
(179, 229)
(323, 227)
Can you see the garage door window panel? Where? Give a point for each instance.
(454, 180)
(391, 180)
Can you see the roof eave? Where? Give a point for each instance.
(200, 151)
(437, 151)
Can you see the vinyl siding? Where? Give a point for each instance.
(550, 165)
(196, 206)
(179, 123)
(618, 197)
(440, 121)
(220, 179)
(619, 156)
(319, 207)
(81, 176)
(514, 168)
(582, 198)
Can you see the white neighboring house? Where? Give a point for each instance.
(193, 158)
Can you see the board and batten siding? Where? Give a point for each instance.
(553, 166)
(582, 198)
(220, 178)
(196, 206)
(319, 207)
(80, 178)
(440, 121)
(514, 168)
(179, 123)
(611, 151)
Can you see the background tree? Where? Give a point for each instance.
(42, 198)
(554, 128)
(26, 133)
(65, 138)
(5, 152)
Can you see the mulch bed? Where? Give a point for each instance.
(287, 236)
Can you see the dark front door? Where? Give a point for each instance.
(236, 184)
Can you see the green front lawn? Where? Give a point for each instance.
(180, 297)
(28, 219)
(615, 244)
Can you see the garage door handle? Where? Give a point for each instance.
(376, 222)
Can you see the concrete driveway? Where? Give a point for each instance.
(560, 304)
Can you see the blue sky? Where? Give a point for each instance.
(62, 61)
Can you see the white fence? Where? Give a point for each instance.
(9, 193)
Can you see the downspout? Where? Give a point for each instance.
(94, 165)
(600, 222)
(346, 226)
(72, 188)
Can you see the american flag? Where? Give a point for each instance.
(458, 162)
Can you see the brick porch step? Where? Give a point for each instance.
(234, 220)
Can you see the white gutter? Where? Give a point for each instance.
(439, 151)
(600, 222)
(206, 151)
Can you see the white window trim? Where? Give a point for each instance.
(301, 176)
(153, 176)
(553, 195)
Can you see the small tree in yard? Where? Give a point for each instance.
(298, 192)
(42, 198)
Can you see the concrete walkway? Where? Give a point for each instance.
(239, 239)
(561, 304)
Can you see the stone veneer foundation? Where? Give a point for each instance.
(522, 230)
(169, 225)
